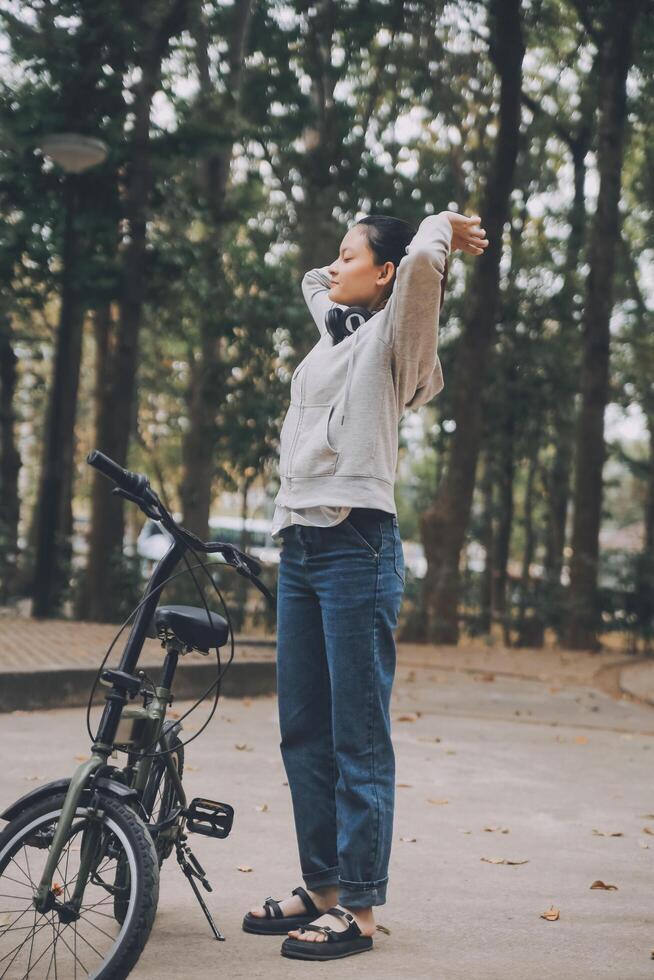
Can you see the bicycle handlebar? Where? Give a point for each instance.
(136, 487)
(134, 483)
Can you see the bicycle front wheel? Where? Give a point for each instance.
(42, 945)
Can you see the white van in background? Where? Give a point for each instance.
(153, 541)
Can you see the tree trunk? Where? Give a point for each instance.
(529, 630)
(206, 375)
(443, 526)
(9, 465)
(95, 601)
(582, 618)
(116, 407)
(506, 477)
(488, 540)
(51, 567)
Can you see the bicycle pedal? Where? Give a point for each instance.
(209, 818)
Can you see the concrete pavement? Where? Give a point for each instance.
(548, 759)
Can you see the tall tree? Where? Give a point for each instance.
(443, 525)
(616, 41)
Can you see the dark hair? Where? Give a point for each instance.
(388, 238)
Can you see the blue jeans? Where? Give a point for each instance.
(339, 595)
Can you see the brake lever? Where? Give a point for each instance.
(147, 510)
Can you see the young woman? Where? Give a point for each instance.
(341, 573)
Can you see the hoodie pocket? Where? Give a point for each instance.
(312, 454)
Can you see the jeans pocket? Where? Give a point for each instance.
(398, 554)
(373, 531)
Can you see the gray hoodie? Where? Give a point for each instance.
(339, 440)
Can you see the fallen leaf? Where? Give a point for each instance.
(462, 831)
(172, 714)
(554, 690)
(551, 915)
(450, 752)
(647, 816)
(285, 783)
(383, 929)
(243, 748)
(188, 768)
(581, 740)
(644, 844)
(488, 678)
(407, 718)
(426, 738)
(648, 830)
(81, 758)
(411, 676)
(438, 802)
(31, 779)
(404, 785)
(502, 861)
(502, 830)
(608, 833)
(409, 840)
(244, 867)
(262, 808)
(7, 917)
(247, 702)
(603, 887)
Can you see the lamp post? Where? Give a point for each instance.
(74, 153)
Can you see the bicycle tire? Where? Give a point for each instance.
(153, 791)
(122, 830)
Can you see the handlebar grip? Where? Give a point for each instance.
(134, 483)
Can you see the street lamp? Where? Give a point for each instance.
(74, 153)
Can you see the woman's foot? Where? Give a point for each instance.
(323, 898)
(364, 918)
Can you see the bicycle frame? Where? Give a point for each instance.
(103, 745)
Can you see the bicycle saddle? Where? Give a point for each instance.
(190, 625)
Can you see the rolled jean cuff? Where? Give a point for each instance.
(361, 895)
(320, 879)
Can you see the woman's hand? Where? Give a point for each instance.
(466, 233)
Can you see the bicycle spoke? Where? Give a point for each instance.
(31, 944)
(76, 957)
(100, 930)
(16, 950)
(84, 939)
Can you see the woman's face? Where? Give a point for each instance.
(356, 279)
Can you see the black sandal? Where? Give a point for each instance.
(275, 922)
(337, 944)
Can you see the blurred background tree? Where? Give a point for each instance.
(151, 306)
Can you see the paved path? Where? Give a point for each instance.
(550, 762)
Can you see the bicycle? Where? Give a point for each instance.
(80, 857)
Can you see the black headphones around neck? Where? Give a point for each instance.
(341, 323)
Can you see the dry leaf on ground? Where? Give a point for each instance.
(409, 840)
(502, 861)
(404, 785)
(244, 867)
(648, 830)
(383, 929)
(603, 887)
(491, 830)
(243, 748)
(552, 914)
(581, 740)
(407, 718)
(608, 833)
(438, 802)
(262, 808)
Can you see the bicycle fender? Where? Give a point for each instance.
(60, 786)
